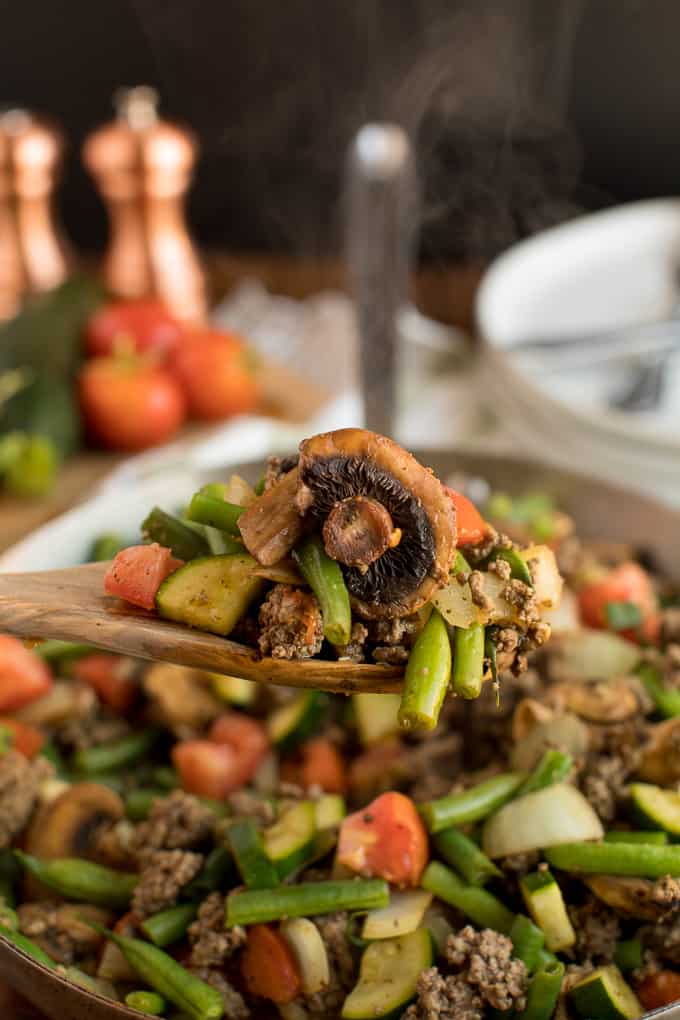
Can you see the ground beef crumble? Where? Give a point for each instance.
(445, 998)
(393, 639)
(211, 943)
(486, 957)
(597, 929)
(244, 804)
(603, 782)
(20, 781)
(176, 822)
(164, 873)
(234, 1004)
(291, 626)
(59, 930)
(354, 650)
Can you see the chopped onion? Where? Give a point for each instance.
(403, 915)
(239, 492)
(564, 618)
(304, 939)
(557, 814)
(547, 579)
(591, 655)
(456, 606)
(283, 572)
(565, 731)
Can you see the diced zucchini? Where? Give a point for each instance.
(330, 809)
(211, 593)
(403, 915)
(605, 995)
(388, 976)
(656, 808)
(233, 689)
(376, 715)
(544, 901)
(309, 950)
(255, 867)
(289, 842)
(295, 721)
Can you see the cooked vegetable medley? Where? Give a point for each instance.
(200, 846)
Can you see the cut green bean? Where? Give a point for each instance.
(174, 982)
(643, 860)
(666, 699)
(150, 1003)
(207, 509)
(217, 490)
(169, 925)
(29, 948)
(480, 906)
(324, 577)
(468, 661)
(57, 652)
(465, 856)
(518, 566)
(116, 756)
(138, 803)
(428, 674)
(78, 879)
(255, 906)
(185, 543)
(254, 866)
(10, 876)
(628, 955)
(218, 872)
(553, 767)
(543, 992)
(622, 836)
(545, 957)
(473, 805)
(106, 547)
(527, 940)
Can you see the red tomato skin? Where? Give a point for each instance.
(659, 989)
(246, 737)
(626, 583)
(213, 370)
(141, 325)
(268, 965)
(28, 740)
(110, 676)
(386, 840)
(470, 525)
(137, 573)
(207, 769)
(24, 676)
(130, 404)
(322, 765)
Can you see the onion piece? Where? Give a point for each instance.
(455, 604)
(564, 618)
(591, 655)
(238, 491)
(309, 950)
(403, 915)
(283, 572)
(565, 731)
(548, 582)
(557, 814)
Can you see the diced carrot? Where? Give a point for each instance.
(24, 676)
(246, 737)
(659, 989)
(26, 739)
(268, 965)
(322, 765)
(470, 525)
(386, 840)
(207, 769)
(111, 676)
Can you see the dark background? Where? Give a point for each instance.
(524, 110)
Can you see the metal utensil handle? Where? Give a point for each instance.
(382, 205)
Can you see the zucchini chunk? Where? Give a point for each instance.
(211, 593)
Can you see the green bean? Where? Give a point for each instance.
(77, 879)
(518, 567)
(254, 866)
(324, 577)
(528, 941)
(667, 700)
(428, 673)
(106, 547)
(168, 978)
(473, 805)
(622, 836)
(468, 660)
(169, 925)
(480, 906)
(28, 947)
(184, 542)
(218, 872)
(116, 756)
(218, 490)
(8, 916)
(60, 651)
(643, 860)
(138, 803)
(150, 1003)
(553, 767)
(465, 856)
(7, 896)
(253, 906)
(215, 511)
(259, 488)
(165, 777)
(628, 955)
(543, 992)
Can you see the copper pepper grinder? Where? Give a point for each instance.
(11, 269)
(143, 167)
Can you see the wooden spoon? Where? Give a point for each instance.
(70, 604)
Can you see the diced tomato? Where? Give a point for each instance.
(111, 676)
(137, 573)
(470, 525)
(268, 965)
(659, 989)
(322, 765)
(386, 840)
(626, 583)
(28, 740)
(246, 737)
(375, 769)
(24, 676)
(208, 769)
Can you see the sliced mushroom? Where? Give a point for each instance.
(528, 713)
(660, 755)
(609, 701)
(64, 702)
(180, 698)
(272, 525)
(384, 516)
(62, 929)
(636, 897)
(566, 732)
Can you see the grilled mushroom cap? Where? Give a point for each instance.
(384, 516)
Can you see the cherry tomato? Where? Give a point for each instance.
(470, 525)
(24, 676)
(142, 325)
(26, 739)
(268, 966)
(130, 403)
(625, 583)
(207, 769)
(386, 839)
(216, 375)
(659, 989)
(246, 737)
(137, 573)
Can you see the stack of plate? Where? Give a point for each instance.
(609, 269)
